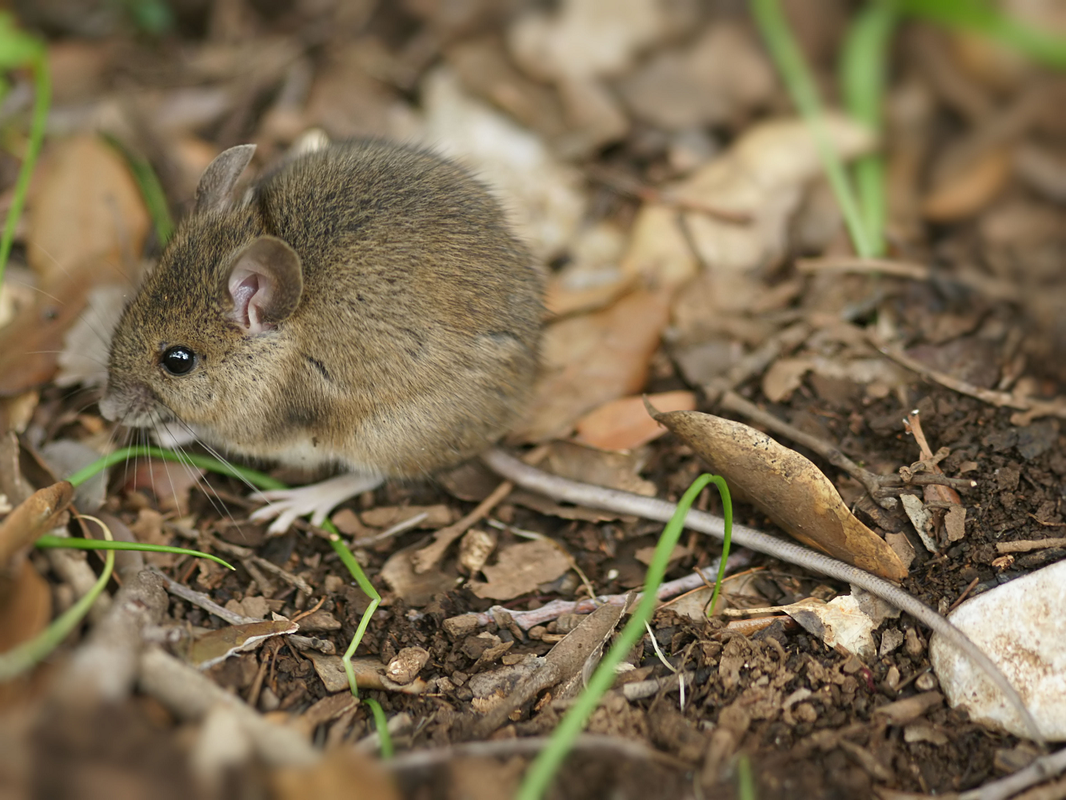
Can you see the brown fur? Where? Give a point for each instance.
(414, 342)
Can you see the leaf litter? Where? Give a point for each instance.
(673, 227)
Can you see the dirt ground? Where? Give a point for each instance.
(599, 126)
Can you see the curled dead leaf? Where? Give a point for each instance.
(38, 514)
(787, 487)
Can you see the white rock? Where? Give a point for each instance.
(1021, 626)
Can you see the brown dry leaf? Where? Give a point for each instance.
(764, 176)
(25, 607)
(592, 359)
(87, 204)
(414, 588)
(715, 81)
(38, 514)
(615, 470)
(783, 378)
(588, 38)
(545, 196)
(31, 343)
(216, 646)
(787, 487)
(342, 773)
(592, 278)
(521, 568)
(625, 424)
(969, 189)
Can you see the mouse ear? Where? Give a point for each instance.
(216, 184)
(264, 284)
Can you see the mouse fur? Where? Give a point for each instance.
(366, 305)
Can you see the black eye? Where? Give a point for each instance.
(178, 360)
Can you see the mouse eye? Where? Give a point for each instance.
(178, 360)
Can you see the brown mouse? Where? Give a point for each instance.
(365, 305)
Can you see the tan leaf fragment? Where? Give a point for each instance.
(592, 359)
(970, 188)
(521, 568)
(787, 487)
(624, 424)
(37, 515)
(763, 175)
(87, 205)
(216, 646)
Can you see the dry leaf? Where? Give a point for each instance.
(787, 487)
(615, 470)
(37, 515)
(342, 773)
(762, 175)
(521, 568)
(414, 588)
(216, 646)
(971, 188)
(30, 344)
(586, 38)
(592, 359)
(625, 424)
(87, 205)
(543, 193)
(25, 607)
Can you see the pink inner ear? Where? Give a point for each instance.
(250, 291)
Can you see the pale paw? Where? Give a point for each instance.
(318, 500)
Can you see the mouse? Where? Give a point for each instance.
(363, 306)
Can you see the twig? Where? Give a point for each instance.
(557, 608)
(1026, 545)
(884, 266)
(1040, 770)
(429, 556)
(1033, 408)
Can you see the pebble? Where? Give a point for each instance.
(1020, 625)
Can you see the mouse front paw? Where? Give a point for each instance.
(318, 500)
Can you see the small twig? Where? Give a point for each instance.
(249, 555)
(1033, 408)
(1040, 770)
(211, 607)
(1025, 546)
(557, 608)
(964, 595)
(885, 266)
(625, 185)
(398, 528)
(429, 556)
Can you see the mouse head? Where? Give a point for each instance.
(204, 338)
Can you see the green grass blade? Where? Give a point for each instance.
(727, 538)
(49, 542)
(980, 17)
(261, 481)
(28, 654)
(786, 54)
(382, 726)
(862, 75)
(547, 763)
(258, 479)
(42, 101)
(155, 199)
